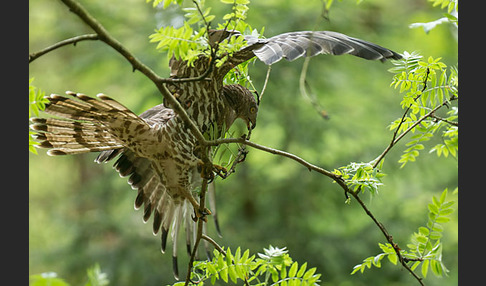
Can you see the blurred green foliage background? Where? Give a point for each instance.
(81, 213)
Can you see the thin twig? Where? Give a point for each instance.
(220, 249)
(393, 141)
(199, 234)
(311, 167)
(445, 120)
(244, 141)
(214, 243)
(388, 237)
(73, 40)
(267, 77)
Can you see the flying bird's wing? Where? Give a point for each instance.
(294, 45)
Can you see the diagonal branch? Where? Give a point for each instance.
(296, 158)
(73, 40)
(388, 237)
(396, 139)
(454, 123)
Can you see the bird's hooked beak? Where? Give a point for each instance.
(251, 123)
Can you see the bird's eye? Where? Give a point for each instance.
(253, 109)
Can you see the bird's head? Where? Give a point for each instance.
(217, 36)
(242, 105)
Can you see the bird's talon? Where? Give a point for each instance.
(198, 214)
(220, 170)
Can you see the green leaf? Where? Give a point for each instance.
(443, 196)
(224, 274)
(436, 267)
(433, 208)
(393, 258)
(309, 273)
(232, 273)
(415, 265)
(421, 239)
(293, 269)
(211, 269)
(423, 230)
(301, 270)
(357, 268)
(244, 258)
(425, 268)
(437, 227)
(283, 272)
(377, 260)
(229, 257)
(446, 210)
(274, 274)
(442, 219)
(434, 235)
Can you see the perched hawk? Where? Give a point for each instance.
(156, 150)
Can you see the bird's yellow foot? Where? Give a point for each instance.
(198, 214)
(220, 170)
(206, 170)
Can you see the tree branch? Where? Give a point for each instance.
(73, 40)
(214, 243)
(296, 158)
(396, 139)
(388, 237)
(199, 234)
(454, 123)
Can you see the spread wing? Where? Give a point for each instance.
(86, 124)
(294, 45)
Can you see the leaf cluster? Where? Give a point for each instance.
(449, 17)
(361, 176)
(450, 4)
(425, 247)
(273, 267)
(388, 251)
(165, 3)
(427, 86)
(191, 40)
(37, 103)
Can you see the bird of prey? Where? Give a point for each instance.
(156, 150)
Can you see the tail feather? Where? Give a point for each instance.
(212, 204)
(168, 216)
(175, 235)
